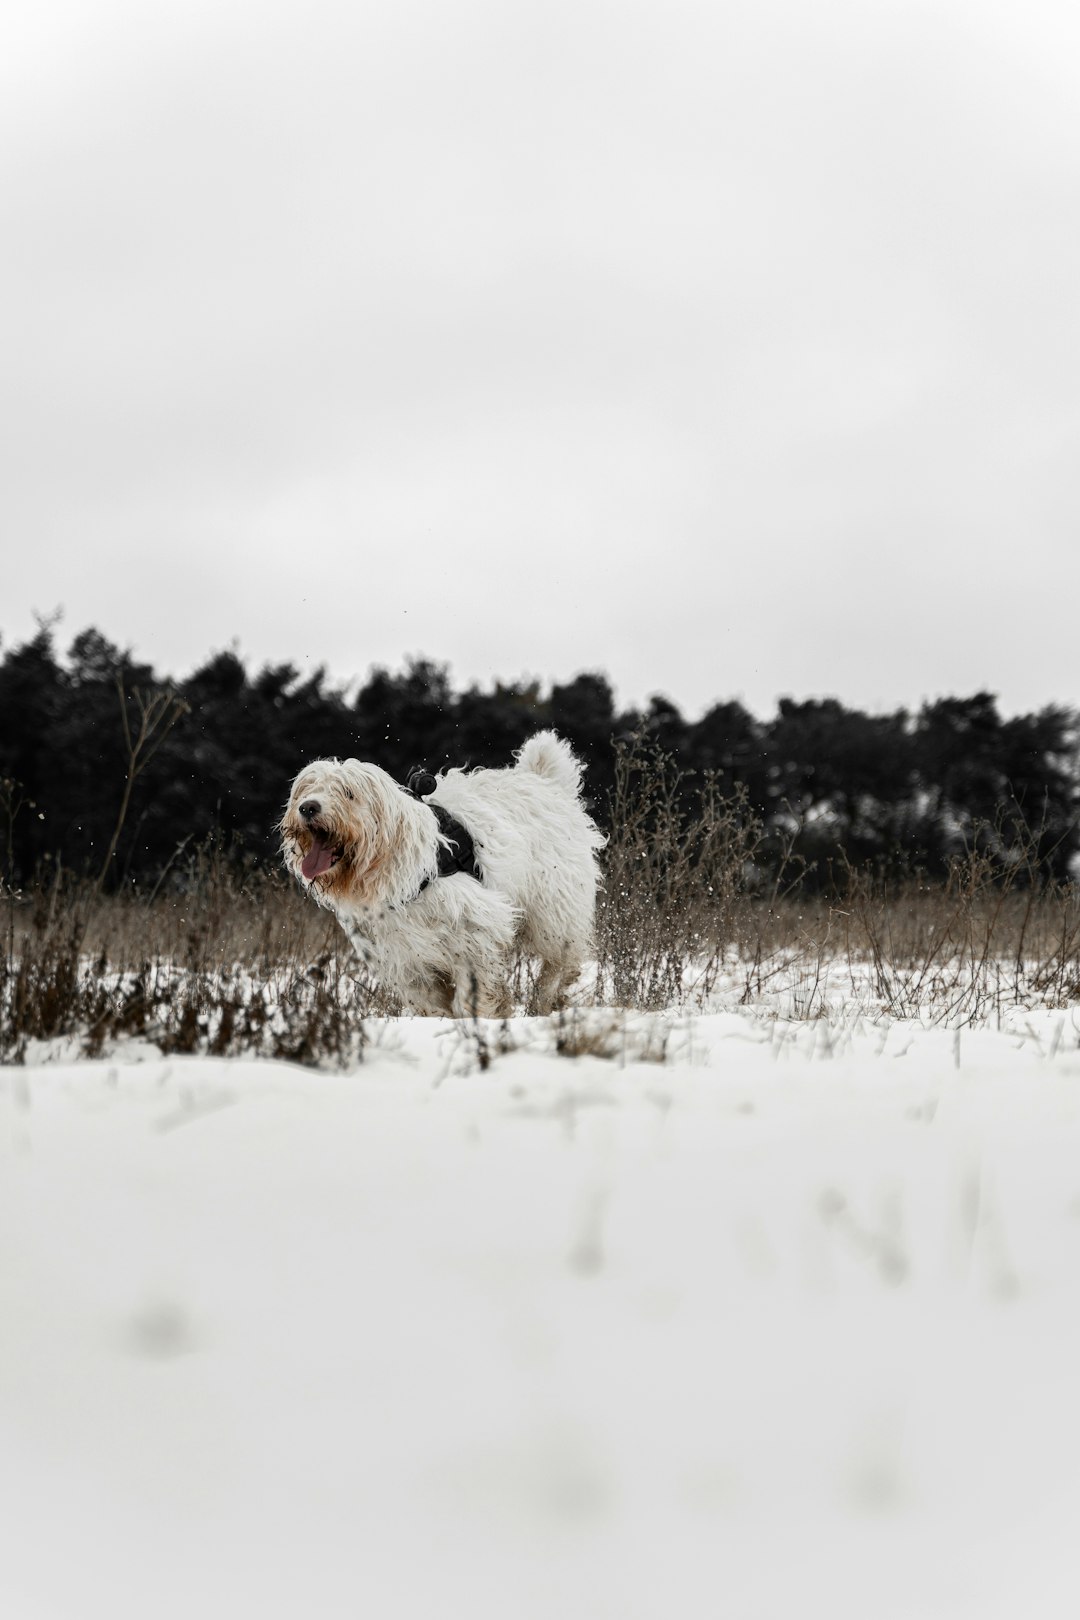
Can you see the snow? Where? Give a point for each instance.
(786, 1324)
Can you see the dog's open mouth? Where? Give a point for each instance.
(321, 856)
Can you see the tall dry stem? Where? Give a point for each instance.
(157, 713)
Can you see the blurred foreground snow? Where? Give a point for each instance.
(787, 1325)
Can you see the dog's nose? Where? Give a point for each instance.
(309, 808)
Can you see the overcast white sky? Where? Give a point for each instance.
(732, 348)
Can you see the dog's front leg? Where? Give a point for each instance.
(482, 990)
(360, 942)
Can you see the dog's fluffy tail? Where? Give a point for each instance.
(548, 756)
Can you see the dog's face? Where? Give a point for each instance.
(341, 827)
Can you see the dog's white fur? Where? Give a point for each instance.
(449, 947)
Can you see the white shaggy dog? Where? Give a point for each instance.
(437, 901)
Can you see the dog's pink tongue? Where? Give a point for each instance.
(319, 858)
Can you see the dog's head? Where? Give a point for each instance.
(344, 828)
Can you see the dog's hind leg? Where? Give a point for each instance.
(432, 997)
(553, 984)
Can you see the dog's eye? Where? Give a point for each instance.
(348, 793)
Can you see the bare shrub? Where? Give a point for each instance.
(674, 899)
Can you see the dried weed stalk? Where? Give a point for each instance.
(678, 867)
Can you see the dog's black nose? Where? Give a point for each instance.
(309, 808)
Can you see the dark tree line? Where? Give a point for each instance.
(904, 792)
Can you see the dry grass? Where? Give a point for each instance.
(686, 918)
(615, 1036)
(234, 964)
(965, 950)
(225, 959)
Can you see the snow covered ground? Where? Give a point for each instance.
(788, 1324)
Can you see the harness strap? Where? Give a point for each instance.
(461, 856)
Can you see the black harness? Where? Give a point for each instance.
(461, 855)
